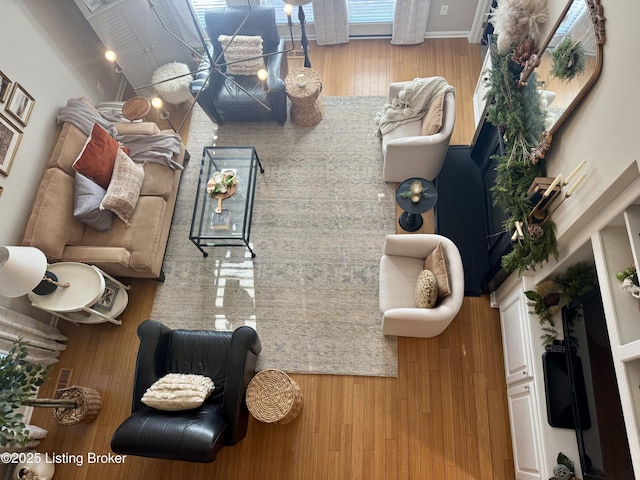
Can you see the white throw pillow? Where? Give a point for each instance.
(242, 47)
(178, 391)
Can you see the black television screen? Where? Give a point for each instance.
(600, 429)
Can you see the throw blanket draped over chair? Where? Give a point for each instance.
(411, 103)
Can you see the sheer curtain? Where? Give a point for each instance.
(331, 21)
(44, 341)
(410, 22)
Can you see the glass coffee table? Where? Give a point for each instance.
(232, 226)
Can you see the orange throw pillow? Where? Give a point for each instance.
(98, 156)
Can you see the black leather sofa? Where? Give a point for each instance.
(225, 98)
(195, 435)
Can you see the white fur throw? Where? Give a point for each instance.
(514, 20)
(176, 90)
(242, 47)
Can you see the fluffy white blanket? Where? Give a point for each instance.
(411, 103)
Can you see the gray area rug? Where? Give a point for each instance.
(320, 217)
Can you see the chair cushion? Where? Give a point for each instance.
(437, 263)
(124, 189)
(98, 156)
(87, 197)
(242, 47)
(426, 291)
(178, 391)
(434, 119)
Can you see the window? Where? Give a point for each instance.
(360, 11)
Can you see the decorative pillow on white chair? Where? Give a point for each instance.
(426, 291)
(178, 391)
(242, 47)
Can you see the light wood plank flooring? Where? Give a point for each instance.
(445, 417)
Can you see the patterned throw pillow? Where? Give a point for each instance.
(437, 263)
(242, 47)
(178, 391)
(124, 189)
(426, 291)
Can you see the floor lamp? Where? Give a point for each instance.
(303, 35)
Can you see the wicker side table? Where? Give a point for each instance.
(306, 108)
(273, 397)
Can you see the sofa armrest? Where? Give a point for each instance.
(137, 128)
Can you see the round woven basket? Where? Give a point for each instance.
(88, 402)
(273, 397)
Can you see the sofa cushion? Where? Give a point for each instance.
(86, 204)
(426, 292)
(158, 180)
(434, 119)
(124, 189)
(178, 391)
(51, 225)
(97, 157)
(242, 46)
(437, 263)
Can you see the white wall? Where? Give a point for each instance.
(51, 70)
(457, 22)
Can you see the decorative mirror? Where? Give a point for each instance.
(568, 64)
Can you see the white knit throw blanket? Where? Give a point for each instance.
(411, 103)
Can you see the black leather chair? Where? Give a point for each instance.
(198, 434)
(221, 98)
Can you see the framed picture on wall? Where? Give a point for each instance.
(10, 136)
(5, 87)
(20, 104)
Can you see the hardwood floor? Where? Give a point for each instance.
(444, 417)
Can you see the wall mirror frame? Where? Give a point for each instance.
(584, 20)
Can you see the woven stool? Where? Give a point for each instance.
(306, 108)
(273, 397)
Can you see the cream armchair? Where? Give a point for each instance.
(408, 153)
(402, 260)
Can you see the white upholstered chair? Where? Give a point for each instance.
(402, 260)
(408, 153)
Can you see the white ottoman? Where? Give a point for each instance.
(176, 90)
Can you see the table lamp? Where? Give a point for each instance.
(23, 269)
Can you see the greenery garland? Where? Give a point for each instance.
(520, 119)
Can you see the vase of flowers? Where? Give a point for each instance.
(222, 185)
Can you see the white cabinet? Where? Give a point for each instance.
(523, 413)
(133, 30)
(516, 344)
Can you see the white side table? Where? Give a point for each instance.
(78, 302)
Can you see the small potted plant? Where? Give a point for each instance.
(545, 300)
(629, 279)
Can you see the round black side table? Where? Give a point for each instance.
(411, 218)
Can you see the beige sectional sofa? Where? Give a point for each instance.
(136, 250)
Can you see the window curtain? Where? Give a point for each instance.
(410, 22)
(44, 341)
(331, 21)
